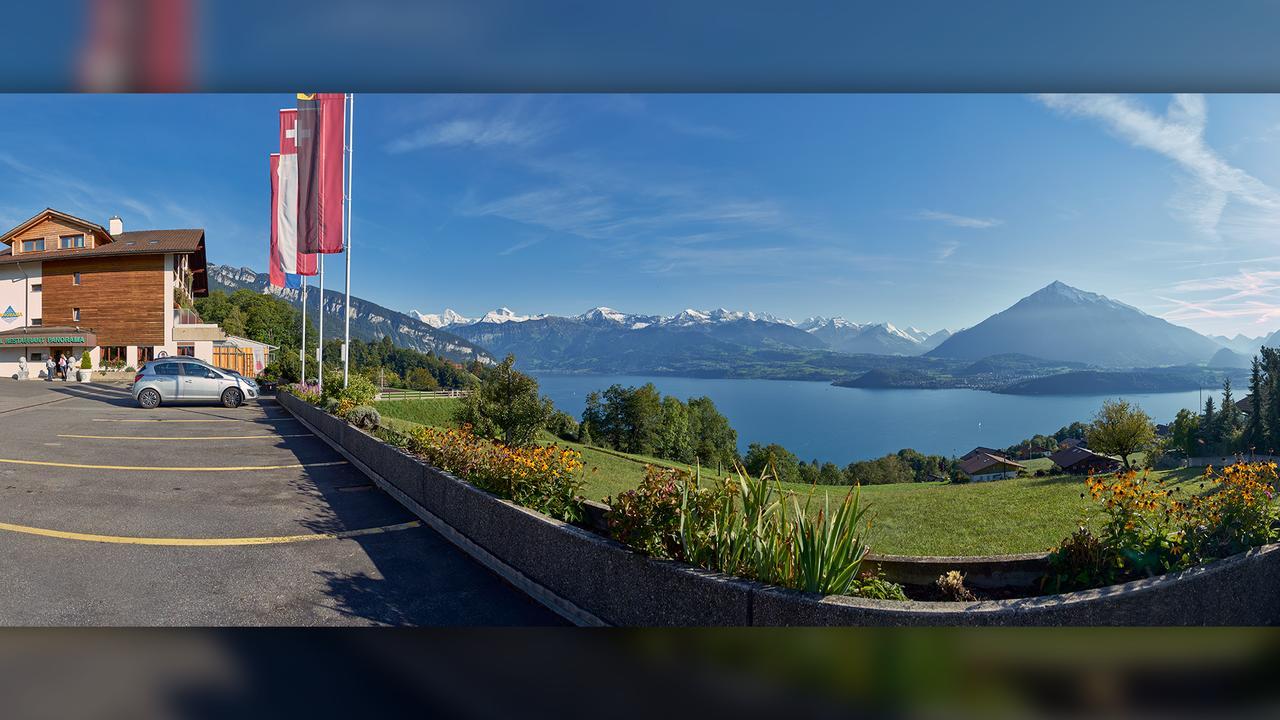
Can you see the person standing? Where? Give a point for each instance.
(50, 367)
(62, 367)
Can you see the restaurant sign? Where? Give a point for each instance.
(42, 340)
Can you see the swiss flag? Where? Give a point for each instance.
(285, 218)
(321, 133)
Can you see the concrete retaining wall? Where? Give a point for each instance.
(593, 580)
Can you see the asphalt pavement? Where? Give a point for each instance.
(202, 515)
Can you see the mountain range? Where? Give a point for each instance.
(836, 334)
(1081, 338)
(369, 321)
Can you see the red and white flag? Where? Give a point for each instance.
(275, 269)
(285, 253)
(321, 133)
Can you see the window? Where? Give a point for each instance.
(170, 368)
(37, 322)
(75, 278)
(112, 355)
(37, 356)
(75, 314)
(66, 242)
(187, 349)
(200, 371)
(146, 354)
(37, 288)
(33, 245)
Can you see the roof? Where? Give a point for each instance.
(236, 340)
(982, 461)
(92, 227)
(979, 451)
(138, 242)
(1067, 457)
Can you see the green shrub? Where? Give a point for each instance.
(359, 390)
(85, 362)
(750, 527)
(364, 417)
(876, 587)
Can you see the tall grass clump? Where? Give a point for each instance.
(749, 526)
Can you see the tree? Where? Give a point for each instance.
(1271, 397)
(1185, 432)
(1209, 423)
(506, 406)
(421, 379)
(1120, 429)
(714, 441)
(592, 417)
(830, 474)
(673, 432)
(1254, 433)
(1230, 414)
(234, 322)
(784, 465)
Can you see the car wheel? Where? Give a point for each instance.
(149, 398)
(232, 397)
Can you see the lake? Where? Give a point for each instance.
(818, 420)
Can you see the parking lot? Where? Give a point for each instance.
(200, 515)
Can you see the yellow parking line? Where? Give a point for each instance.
(211, 437)
(203, 420)
(145, 468)
(207, 542)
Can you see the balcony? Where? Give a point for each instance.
(189, 327)
(186, 316)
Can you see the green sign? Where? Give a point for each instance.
(52, 340)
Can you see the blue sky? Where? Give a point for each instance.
(925, 210)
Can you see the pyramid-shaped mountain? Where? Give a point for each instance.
(1059, 322)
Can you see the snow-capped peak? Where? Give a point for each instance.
(604, 313)
(448, 317)
(505, 315)
(688, 316)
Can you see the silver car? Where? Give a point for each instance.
(186, 379)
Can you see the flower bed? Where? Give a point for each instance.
(607, 582)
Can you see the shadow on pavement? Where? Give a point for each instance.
(421, 578)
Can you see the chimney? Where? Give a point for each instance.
(115, 225)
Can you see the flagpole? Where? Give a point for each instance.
(346, 226)
(302, 352)
(320, 331)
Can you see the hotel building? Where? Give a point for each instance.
(68, 285)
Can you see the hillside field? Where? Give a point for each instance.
(1005, 516)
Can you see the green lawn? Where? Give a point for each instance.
(1004, 516)
(436, 412)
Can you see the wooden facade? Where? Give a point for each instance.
(52, 228)
(121, 298)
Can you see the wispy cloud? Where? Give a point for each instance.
(1210, 182)
(521, 246)
(1248, 295)
(962, 221)
(517, 123)
(947, 249)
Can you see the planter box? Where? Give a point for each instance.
(572, 567)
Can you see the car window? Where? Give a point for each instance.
(194, 370)
(167, 369)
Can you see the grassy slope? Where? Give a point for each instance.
(1005, 516)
